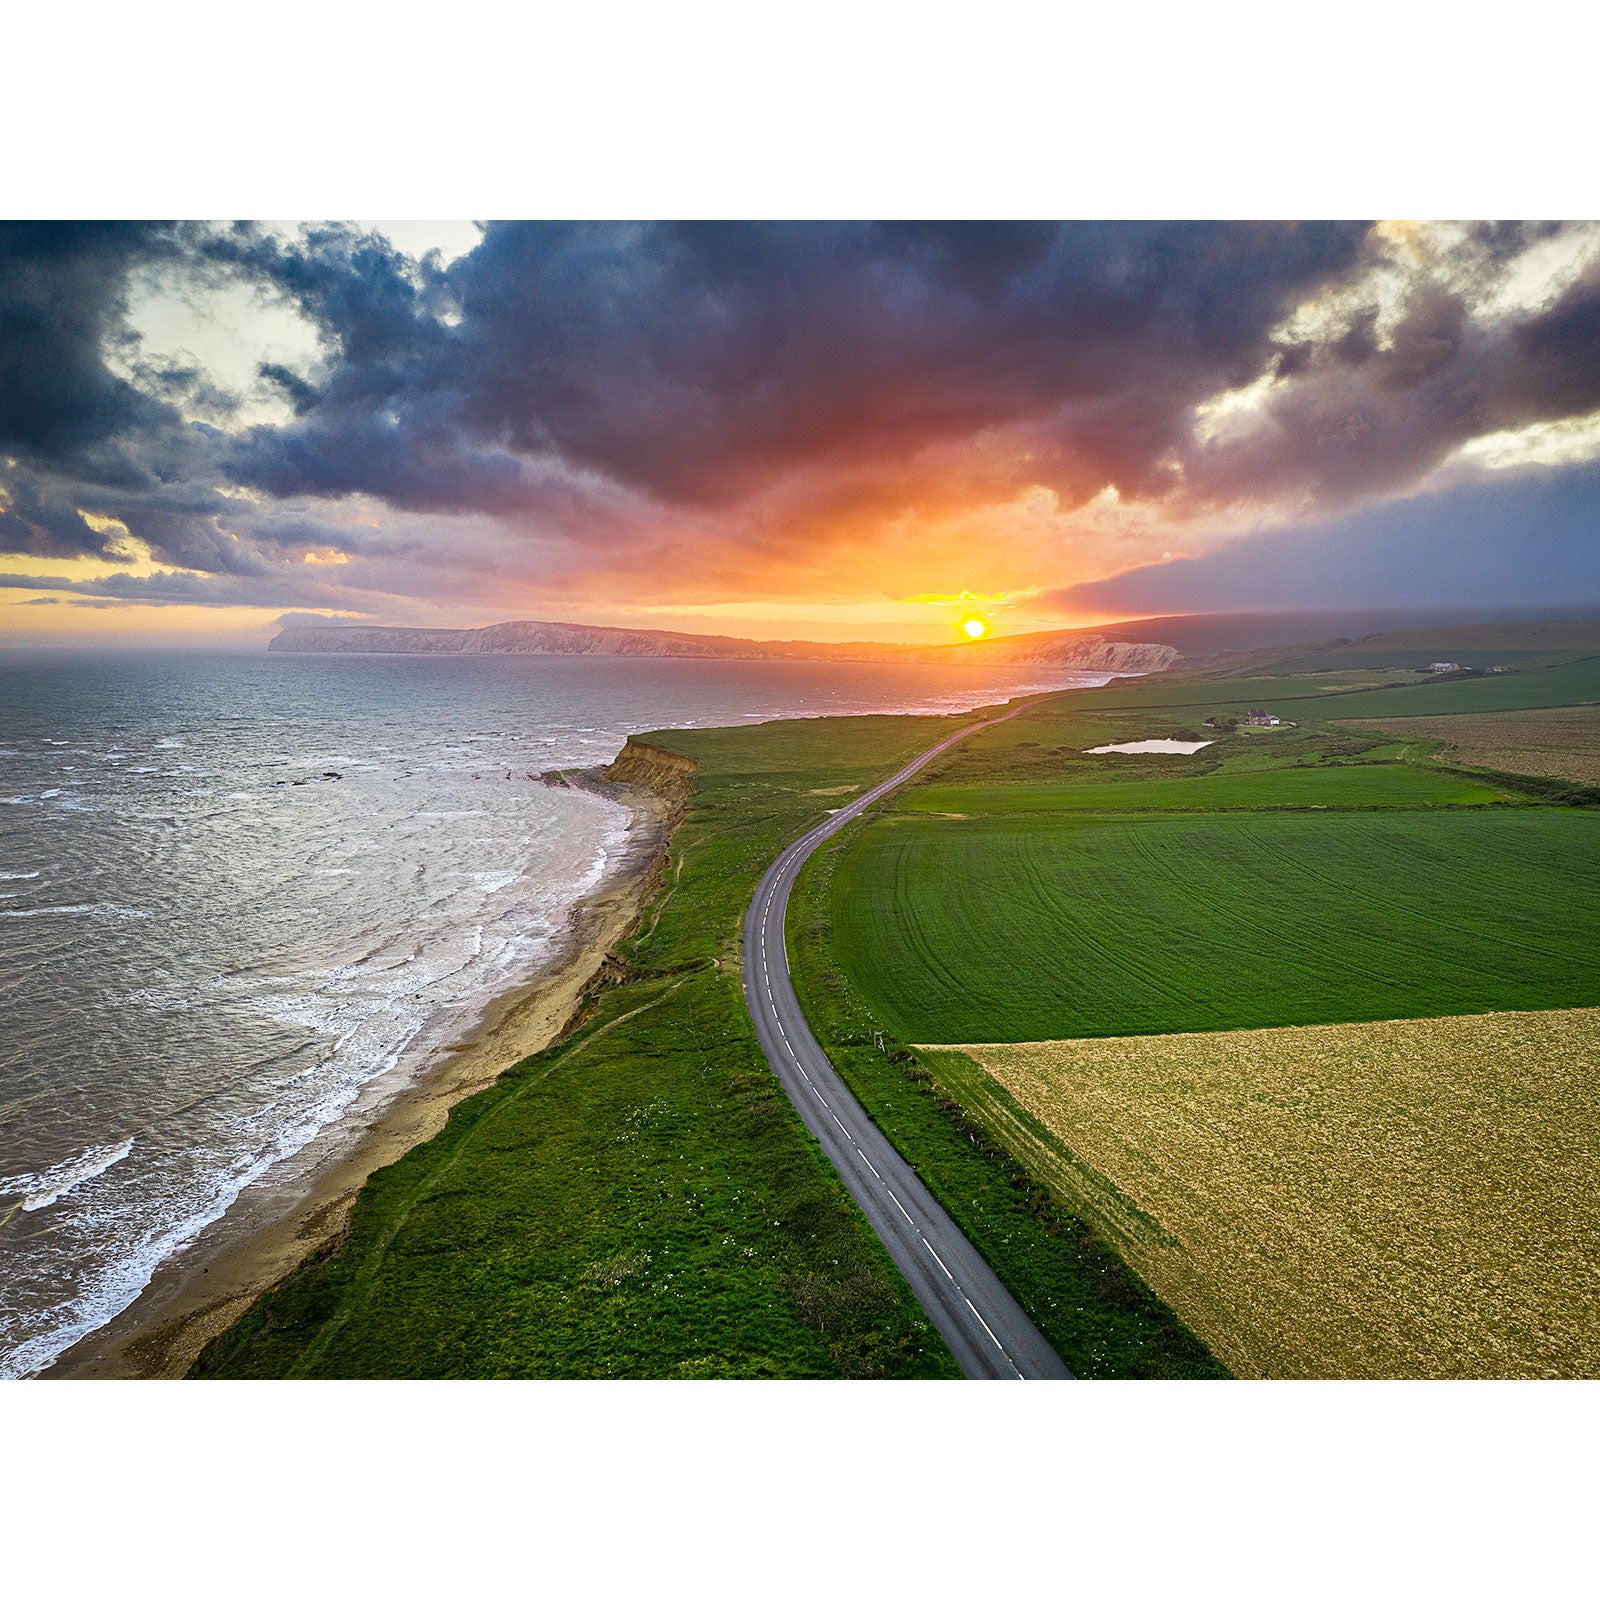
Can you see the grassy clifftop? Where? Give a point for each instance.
(639, 1200)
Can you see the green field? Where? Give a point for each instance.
(1039, 927)
(1575, 683)
(1327, 695)
(1350, 659)
(1383, 786)
(1205, 690)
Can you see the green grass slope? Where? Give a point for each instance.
(635, 1203)
(1036, 927)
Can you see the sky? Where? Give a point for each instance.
(794, 430)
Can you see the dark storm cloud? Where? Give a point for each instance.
(1556, 356)
(195, 589)
(61, 293)
(1356, 417)
(696, 364)
(699, 363)
(41, 519)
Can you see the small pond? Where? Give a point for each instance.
(1151, 747)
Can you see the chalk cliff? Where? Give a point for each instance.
(1086, 652)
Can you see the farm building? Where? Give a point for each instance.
(1444, 666)
(1261, 719)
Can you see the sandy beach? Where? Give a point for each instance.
(300, 1207)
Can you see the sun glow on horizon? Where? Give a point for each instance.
(974, 627)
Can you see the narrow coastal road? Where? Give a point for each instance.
(990, 1335)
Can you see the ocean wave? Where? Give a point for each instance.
(117, 1282)
(41, 1189)
(114, 913)
(16, 877)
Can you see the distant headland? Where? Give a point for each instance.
(1074, 649)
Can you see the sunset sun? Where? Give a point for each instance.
(974, 627)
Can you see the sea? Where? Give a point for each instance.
(239, 891)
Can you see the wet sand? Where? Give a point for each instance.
(300, 1207)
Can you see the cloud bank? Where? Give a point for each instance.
(696, 414)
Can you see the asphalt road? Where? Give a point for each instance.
(990, 1335)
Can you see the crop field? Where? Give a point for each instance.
(1402, 1199)
(1046, 927)
(1370, 786)
(1555, 743)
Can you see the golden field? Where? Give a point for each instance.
(1414, 1199)
(1561, 742)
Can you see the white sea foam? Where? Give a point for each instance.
(16, 877)
(112, 913)
(41, 1189)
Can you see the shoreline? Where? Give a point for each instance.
(299, 1208)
